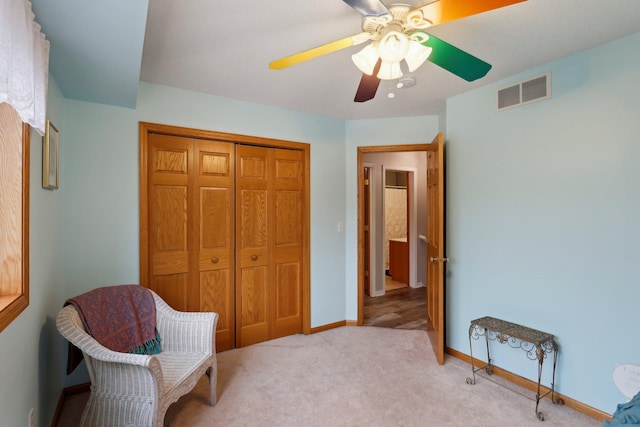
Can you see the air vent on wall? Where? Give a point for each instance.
(525, 92)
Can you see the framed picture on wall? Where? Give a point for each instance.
(50, 149)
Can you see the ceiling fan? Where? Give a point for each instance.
(397, 33)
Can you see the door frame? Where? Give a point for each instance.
(361, 152)
(145, 128)
(373, 230)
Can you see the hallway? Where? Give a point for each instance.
(402, 308)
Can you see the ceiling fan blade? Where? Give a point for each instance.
(455, 60)
(368, 85)
(325, 49)
(368, 7)
(442, 11)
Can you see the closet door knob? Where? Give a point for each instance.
(214, 260)
(254, 257)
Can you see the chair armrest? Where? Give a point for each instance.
(116, 373)
(191, 332)
(103, 359)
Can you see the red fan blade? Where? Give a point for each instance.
(368, 85)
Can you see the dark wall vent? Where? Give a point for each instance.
(525, 92)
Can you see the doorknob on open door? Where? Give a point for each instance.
(436, 259)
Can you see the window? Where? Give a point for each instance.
(14, 215)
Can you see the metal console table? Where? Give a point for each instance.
(536, 345)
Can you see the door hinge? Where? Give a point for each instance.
(366, 228)
(366, 182)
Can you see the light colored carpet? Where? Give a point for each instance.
(356, 376)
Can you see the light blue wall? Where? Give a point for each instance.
(543, 217)
(362, 133)
(30, 348)
(101, 221)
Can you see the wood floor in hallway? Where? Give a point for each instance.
(402, 308)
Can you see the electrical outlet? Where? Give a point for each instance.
(32, 418)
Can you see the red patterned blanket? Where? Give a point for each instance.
(122, 318)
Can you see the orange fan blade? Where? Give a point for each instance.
(443, 11)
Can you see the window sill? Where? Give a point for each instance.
(10, 307)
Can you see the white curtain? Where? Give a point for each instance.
(24, 63)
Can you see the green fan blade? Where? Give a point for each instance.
(455, 60)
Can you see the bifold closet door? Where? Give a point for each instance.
(190, 222)
(268, 243)
(170, 164)
(215, 219)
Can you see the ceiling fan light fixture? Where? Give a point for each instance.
(393, 46)
(416, 55)
(366, 59)
(389, 71)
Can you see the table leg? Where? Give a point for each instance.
(540, 354)
(488, 369)
(557, 401)
(472, 379)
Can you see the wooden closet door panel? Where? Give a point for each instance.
(170, 161)
(252, 289)
(214, 182)
(286, 243)
(253, 274)
(288, 305)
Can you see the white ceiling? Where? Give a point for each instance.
(100, 49)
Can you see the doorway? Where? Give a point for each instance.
(395, 271)
(433, 237)
(397, 228)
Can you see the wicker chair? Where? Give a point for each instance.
(136, 390)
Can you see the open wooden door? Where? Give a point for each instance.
(435, 246)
